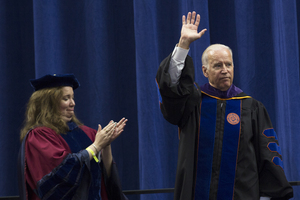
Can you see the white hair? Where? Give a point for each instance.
(209, 49)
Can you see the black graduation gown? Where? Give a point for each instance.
(217, 166)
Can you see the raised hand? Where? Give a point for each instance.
(189, 30)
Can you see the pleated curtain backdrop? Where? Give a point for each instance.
(114, 49)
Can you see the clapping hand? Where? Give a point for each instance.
(119, 128)
(109, 133)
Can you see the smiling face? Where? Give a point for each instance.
(220, 68)
(67, 104)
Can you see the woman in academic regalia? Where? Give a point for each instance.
(61, 158)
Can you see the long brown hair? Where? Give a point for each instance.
(43, 110)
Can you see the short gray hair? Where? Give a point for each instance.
(211, 48)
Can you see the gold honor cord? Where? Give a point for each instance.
(244, 97)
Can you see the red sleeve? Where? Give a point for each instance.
(44, 150)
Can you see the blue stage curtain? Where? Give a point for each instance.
(114, 49)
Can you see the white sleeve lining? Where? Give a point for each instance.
(265, 198)
(177, 64)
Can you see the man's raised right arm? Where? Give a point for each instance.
(189, 33)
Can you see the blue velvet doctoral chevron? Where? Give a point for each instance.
(229, 152)
(230, 146)
(205, 147)
(76, 134)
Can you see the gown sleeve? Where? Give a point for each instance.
(272, 179)
(177, 101)
(50, 163)
(111, 185)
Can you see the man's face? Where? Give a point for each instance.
(220, 69)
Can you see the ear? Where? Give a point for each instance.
(204, 70)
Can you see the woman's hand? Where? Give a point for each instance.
(119, 128)
(103, 136)
(109, 133)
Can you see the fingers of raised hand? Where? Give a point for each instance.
(191, 18)
(188, 18)
(183, 20)
(202, 32)
(197, 20)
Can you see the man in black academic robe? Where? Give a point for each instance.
(228, 148)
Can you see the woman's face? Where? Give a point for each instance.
(67, 104)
